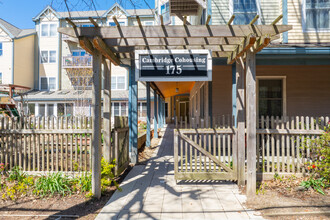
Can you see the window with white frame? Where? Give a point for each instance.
(48, 56)
(271, 97)
(118, 82)
(48, 30)
(149, 23)
(47, 83)
(64, 109)
(1, 49)
(78, 53)
(121, 23)
(244, 11)
(317, 14)
(0, 78)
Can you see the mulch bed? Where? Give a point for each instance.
(282, 196)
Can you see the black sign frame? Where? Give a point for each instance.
(173, 65)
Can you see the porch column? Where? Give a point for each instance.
(107, 109)
(210, 104)
(164, 113)
(234, 93)
(159, 112)
(96, 124)
(251, 121)
(133, 114)
(155, 114)
(148, 115)
(240, 118)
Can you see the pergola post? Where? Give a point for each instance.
(251, 121)
(164, 115)
(107, 110)
(96, 125)
(133, 114)
(159, 112)
(240, 118)
(148, 115)
(210, 104)
(155, 115)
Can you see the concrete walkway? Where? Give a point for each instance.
(150, 192)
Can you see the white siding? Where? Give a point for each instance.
(7, 58)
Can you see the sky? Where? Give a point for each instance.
(21, 12)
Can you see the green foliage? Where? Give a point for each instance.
(316, 184)
(55, 183)
(107, 176)
(320, 155)
(17, 174)
(277, 177)
(83, 183)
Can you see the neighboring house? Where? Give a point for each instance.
(16, 55)
(64, 80)
(293, 72)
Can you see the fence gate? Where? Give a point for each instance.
(205, 154)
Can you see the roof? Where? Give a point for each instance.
(75, 95)
(97, 13)
(13, 31)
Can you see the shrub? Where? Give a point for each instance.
(320, 156)
(55, 183)
(17, 174)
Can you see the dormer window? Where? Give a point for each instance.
(317, 15)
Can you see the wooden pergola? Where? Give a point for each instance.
(238, 43)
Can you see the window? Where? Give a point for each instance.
(47, 83)
(144, 109)
(50, 110)
(166, 110)
(0, 78)
(1, 50)
(86, 25)
(123, 109)
(65, 109)
(118, 82)
(48, 56)
(48, 30)
(244, 10)
(270, 97)
(81, 82)
(78, 53)
(52, 56)
(317, 14)
(42, 108)
(115, 111)
(148, 23)
(121, 23)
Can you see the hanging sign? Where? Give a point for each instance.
(173, 65)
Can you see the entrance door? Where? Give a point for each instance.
(183, 110)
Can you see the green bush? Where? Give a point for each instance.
(320, 155)
(55, 183)
(17, 174)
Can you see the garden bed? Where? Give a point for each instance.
(283, 198)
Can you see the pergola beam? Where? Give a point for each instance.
(86, 44)
(128, 42)
(261, 43)
(190, 31)
(241, 49)
(105, 50)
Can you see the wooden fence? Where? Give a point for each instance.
(221, 121)
(204, 154)
(283, 143)
(40, 144)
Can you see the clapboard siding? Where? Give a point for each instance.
(220, 11)
(297, 35)
(269, 10)
(307, 89)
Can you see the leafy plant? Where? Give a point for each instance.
(316, 184)
(17, 174)
(53, 184)
(107, 176)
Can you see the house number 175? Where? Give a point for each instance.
(171, 70)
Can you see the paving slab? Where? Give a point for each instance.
(151, 192)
